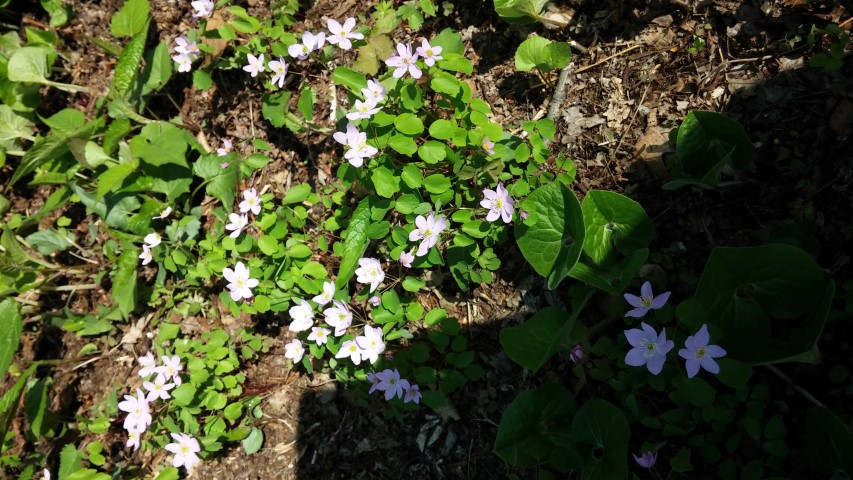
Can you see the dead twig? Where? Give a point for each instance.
(606, 59)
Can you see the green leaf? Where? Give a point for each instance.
(829, 442)
(520, 11)
(127, 66)
(169, 473)
(707, 140)
(297, 194)
(30, 64)
(409, 124)
(274, 107)
(130, 19)
(47, 242)
(124, 282)
(412, 176)
(543, 54)
(183, 395)
(436, 184)
(553, 243)
(442, 129)
(116, 210)
(412, 284)
(443, 82)
(603, 427)
(403, 144)
(9, 401)
(696, 391)
(13, 128)
(355, 243)
(161, 143)
(536, 340)
(305, 104)
(202, 79)
(158, 68)
(536, 424)
(769, 302)
(352, 80)
(10, 332)
(113, 177)
(450, 42)
(36, 404)
(268, 245)
(614, 223)
(432, 151)
(254, 441)
(373, 54)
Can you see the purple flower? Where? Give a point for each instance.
(185, 46)
(430, 53)
(699, 354)
(202, 8)
(374, 92)
(404, 62)
(391, 383)
(413, 394)
(427, 231)
(225, 149)
(356, 143)
(646, 460)
(650, 349)
(499, 203)
(365, 109)
(646, 301)
(488, 146)
(577, 354)
(406, 258)
(374, 301)
(185, 63)
(374, 382)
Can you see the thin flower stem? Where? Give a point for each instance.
(808, 396)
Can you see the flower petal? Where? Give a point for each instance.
(633, 300)
(702, 337)
(636, 337)
(655, 364)
(714, 351)
(660, 300)
(636, 357)
(646, 290)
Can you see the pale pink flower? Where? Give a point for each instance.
(238, 223)
(240, 283)
(404, 61)
(365, 109)
(294, 350)
(427, 231)
(279, 68)
(251, 202)
(406, 258)
(499, 203)
(430, 53)
(146, 255)
(185, 449)
(302, 315)
(369, 271)
(256, 64)
(319, 335)
(310, 42)
(341, 35)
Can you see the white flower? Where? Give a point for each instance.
(406, 258)
(225, 149)
(146, 255)
(132, 441)
(294, 350)
(187, 47)
(256, 64)
(365, 109)
(238, 223)
(427, 232)
(341, 35)
(185, 63)
(46, 474)
(153, 239)
(404, 61)
(165, 213)
(302, 315)
(499, 203)
(170, 368)
(240, 282)
(310, 42)
(356, 143)
(338, 317)
(327, 295)
(185, 450)
(370, 271)
(350, 349)
(148, 364)
(251, 201)
(138, 412)
(279, 68)
(430, 53)
(319, 335)
(371, 343)
(158, 388)
(203, 8)
(374, 92)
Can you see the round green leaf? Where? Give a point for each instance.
(437, 184)
(614, 224)
(432, 151)
(409, 124)
(442, 129)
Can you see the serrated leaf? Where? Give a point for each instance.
(127, 65)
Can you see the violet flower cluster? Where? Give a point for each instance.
(166, 376)
(389, 381)
(650, 348)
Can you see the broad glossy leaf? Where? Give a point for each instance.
(602, 426)
(130, 19)
(614, 224)
(535, 424)
(124, 281)
(533, 342)
(553, 243)
(161, 143)
(830, 444)
(705, 139)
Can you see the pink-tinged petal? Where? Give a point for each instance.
(415, 235)
(399, 72)
(646, 290)
(228, 274)
(715, 351)
(710, 365)
(635, 337)
(506, 214)
(356, 36)
(492, 215)
(423, 249)
(172, 447)
(340, 137)
(252, 283)
(334, 27)
(414, 71)
(633, 300)
(490, 194)
(295, 50)
(660, 300)
(401, 50)
(178, 460)
(655, 364)
(349, 24)
(235, 295)
(686, 353)
(436, 50)
(486, 203)
(636, 357)
(702, 336)
(692, 367)
(421, 222)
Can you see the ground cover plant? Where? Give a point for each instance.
(254, 241)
